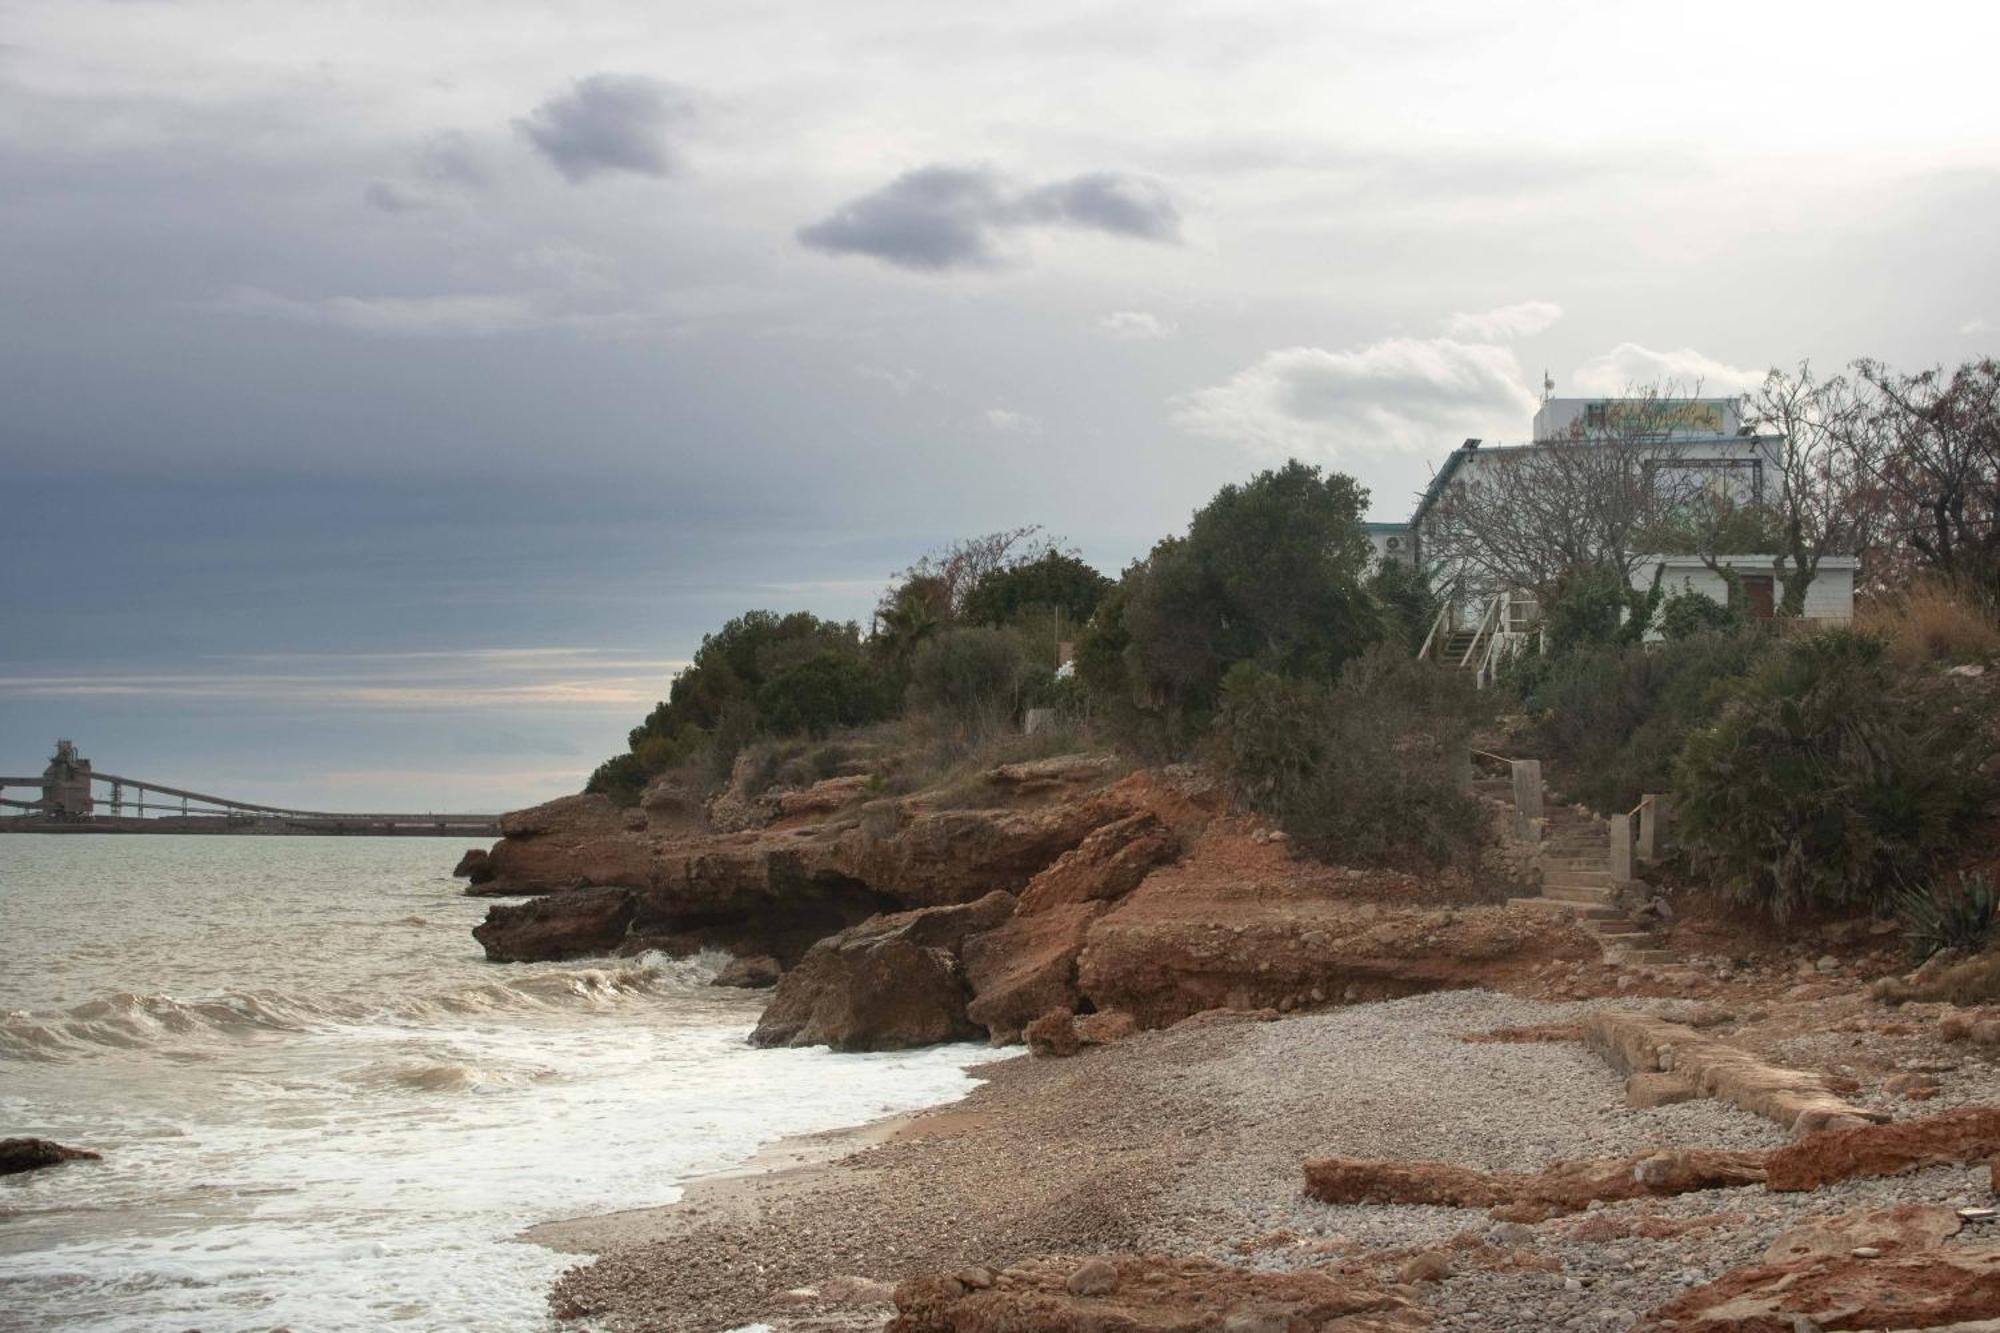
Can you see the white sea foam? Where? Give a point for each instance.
(314, 1114)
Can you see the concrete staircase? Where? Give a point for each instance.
(1575, 857)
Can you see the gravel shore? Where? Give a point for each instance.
(1191, 1141)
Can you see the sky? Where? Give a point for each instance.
(391, 395)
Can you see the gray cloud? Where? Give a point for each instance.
(393, 197)
(449, 158)
(609, 122)
(942, 217)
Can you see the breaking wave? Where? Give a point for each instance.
(127, 1021)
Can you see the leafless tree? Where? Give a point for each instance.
(1533, 517)
(1931, 448)
(1827, 500)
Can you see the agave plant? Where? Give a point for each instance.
(1935, 919)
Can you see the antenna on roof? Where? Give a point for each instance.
(1548, 387)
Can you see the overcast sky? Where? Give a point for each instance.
(391, 394)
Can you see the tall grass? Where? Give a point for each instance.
(1933, 622)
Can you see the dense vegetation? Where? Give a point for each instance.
(1808, 770)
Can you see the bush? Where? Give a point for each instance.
(974, 676)
(1687, 613)
(1409, 606)
(1934, 920)
(825, 691)
(1828, 781)
(1611, 720)
(1365, 771)
(1597, 605)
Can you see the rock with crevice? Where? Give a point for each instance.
(1026, 967)
(1105, 866)
(559, 925)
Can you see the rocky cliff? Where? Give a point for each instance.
(1048, 888)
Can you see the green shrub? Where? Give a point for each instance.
(973, 676)
(1687, 613)
(1827, 781)
(1365, 771)
(1934, 919)
(1408, 604)
(1610, 720)
(1056, 580)
(825, 691)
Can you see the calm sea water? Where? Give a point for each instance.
(320, 1108)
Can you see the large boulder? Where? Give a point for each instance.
(891, 983)
(1026, 967)
(18, 1155)
(560, 925)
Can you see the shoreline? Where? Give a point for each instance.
(786, 1165)
(1190, 1141)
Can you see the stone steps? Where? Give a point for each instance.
(1575, 858)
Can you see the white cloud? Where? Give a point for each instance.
(1409, 394)
(1009, 422)
(1134, 326)
(1523, 319)
(1628, 366)
(1977, 325)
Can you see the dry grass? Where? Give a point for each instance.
(1929, 622)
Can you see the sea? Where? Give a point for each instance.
(320, 1108)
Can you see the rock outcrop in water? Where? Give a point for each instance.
(1037, 888)
(18, 1155)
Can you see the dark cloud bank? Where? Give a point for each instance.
(943, 217)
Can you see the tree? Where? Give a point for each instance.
(1826, 496)
(1931, 447)
(1055, 580)
(1534, 518)
(1270, 571)
(947, 576)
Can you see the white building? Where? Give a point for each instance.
(1697, 439)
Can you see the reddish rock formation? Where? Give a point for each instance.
(890, 983)
(1963, 1135)
(1916, 1289)
(1026, 967)
(1907, 1226)
(18, 1155)
(1053, 1034)
(569, 842)
(1566, 1187)
(1107, 864)
(1149, 1294)
(778, 889)
(475, 865)
(561, 925)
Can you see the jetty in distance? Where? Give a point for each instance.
(72, 797)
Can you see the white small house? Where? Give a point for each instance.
(1829, 597)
